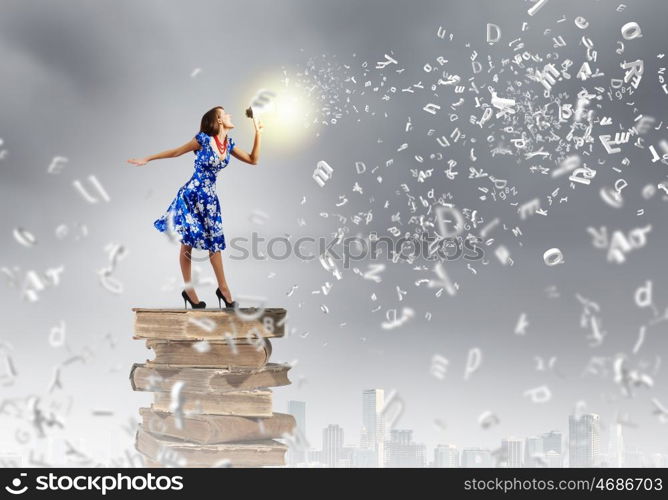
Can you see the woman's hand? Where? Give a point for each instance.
(138, 161)
(258, 125)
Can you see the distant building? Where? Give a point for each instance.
(403, 452)
(533, 452)
(346, 457)
(446, 455)
(332, 445)
(315, 457)
(511, 450)
(553, 442)
(633, 457)
(476, 457)
(616, 446)
(373, 422)
(364, 457)
(366, 443)
(584, 436)
(298, 452)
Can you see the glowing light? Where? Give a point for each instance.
(288, 117)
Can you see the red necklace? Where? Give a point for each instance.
(221, 147)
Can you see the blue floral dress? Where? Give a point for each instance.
(195, 211)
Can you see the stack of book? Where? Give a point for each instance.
(211, 382)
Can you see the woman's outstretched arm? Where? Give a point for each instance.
(191, 145)
(254, 156)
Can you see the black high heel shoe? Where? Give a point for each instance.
(186, 300)
(220, 295)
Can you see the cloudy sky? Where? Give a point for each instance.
(100, 82)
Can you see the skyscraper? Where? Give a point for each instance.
(332, 445)
(511, 450)
(298, 454)
(584, 435)
(372, 419)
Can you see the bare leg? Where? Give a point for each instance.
(217, 264)
(184, 260)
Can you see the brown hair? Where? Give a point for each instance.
(209, 124)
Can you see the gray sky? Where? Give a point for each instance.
(98, 83)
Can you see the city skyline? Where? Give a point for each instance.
(580, 447)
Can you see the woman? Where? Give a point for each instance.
(195, 211)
